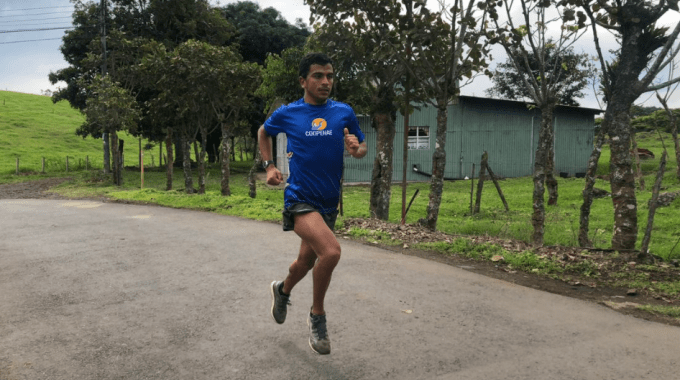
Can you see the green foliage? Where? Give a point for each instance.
(263, 32)
(657, 121)
(109, 108)
(280, 77)
(566, 71)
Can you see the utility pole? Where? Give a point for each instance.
(105, 135)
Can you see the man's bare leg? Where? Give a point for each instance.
(316, 236)
(299, 268)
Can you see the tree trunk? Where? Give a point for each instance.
(677, 147)
(638, 169)
(438, 167)
(252, 181)
(107, 155)
(186, 164)
(381, 181)
(480, 183)
(622, 179)
(540, 167)
(170, 161)
(200, 157)
(233, 148)
(116, 158)
(226, 191)
(584, 221)
(653, 204)
(550, 179)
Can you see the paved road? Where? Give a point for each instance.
(94, 290)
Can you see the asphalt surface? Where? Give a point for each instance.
(93, 290)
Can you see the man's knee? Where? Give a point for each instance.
(332, 252)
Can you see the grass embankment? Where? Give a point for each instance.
(32, 127)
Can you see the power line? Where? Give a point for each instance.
(33, 30)
(16, 42)
(36, 14)
(30, 9)
(40, 24)
(40, 19)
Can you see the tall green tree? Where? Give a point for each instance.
(206, 87)
(645, 49)
(573, 71)
(546, 71)
(448, 48)
(261, 32)
(111, 109)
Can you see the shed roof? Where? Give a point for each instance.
(594, 111)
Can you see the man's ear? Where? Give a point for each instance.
(301, 80)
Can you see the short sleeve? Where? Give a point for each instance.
(353, 126)
(274, 125)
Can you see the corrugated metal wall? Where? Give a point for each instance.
(507, 130)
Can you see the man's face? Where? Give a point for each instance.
(318, 84)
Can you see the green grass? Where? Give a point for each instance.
(32, 127)
(515, 260)
(671, 311)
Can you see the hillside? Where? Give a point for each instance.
(32, 127)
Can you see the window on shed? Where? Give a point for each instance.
(419, 138)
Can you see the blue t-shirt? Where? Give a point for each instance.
(315, 150)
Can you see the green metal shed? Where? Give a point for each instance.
(507, 130)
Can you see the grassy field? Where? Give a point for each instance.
(32, 127)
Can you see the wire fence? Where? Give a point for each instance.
(68, 164)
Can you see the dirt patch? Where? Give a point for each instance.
(32, 190)
(599, 288)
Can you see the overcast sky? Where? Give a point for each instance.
(27, 57)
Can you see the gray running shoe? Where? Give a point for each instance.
(280, 303)
(318, 338)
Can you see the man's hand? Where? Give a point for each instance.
(352, 145)
(274, 176)
(351, 142)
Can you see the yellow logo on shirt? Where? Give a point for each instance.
(319, 124)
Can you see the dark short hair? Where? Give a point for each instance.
(313, 59)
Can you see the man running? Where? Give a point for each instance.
(317, 128)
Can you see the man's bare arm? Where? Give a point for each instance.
(264, 141)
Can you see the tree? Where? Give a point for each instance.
(168, 21)
(645, 50)
(205, 86)
(437, 49)
(262, 32)
(447, 48)
(111, 109)
(508, 82)
(545, 70)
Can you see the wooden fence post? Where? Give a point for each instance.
(66, 164)
(43, 165)
(87, 163)
(472, 189)
(17, 165)
(498, 187)
(480, 184)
